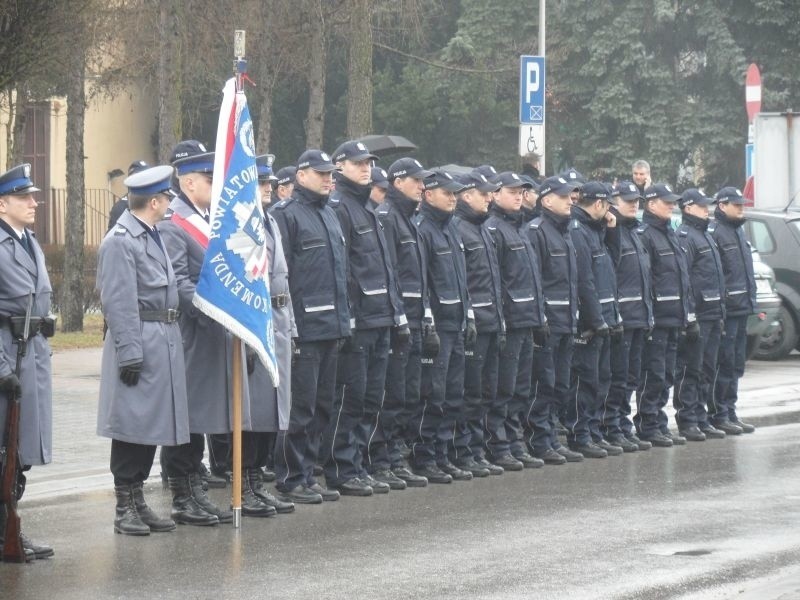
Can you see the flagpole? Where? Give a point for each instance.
(239, 66)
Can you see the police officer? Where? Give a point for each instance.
(23, 272)
(636, 310)
(408, 259)
(207, 347)
(574, 177)
(481, 362)
(121, 205)
(551, 239)
(269, 406)
(442, 386)
(283, 185)
(598, 319)
(673, 313)
(316, 256)
(143, 401)
(696, 362)
(376, 320)
(379, 185)
(523, 310)
(740, 302)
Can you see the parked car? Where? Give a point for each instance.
(776, 236)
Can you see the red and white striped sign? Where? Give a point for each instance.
(752, 92)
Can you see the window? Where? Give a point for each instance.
(760, 237)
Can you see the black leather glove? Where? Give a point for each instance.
(347, 344)
(129, 374)
(603, 331)
(427, 327)
(400, 338)
(430, 343)
(693, 331)
(10, 385)
(250, 359)
(471, 334)
(617, 330)
(501, 341)
(541, 335)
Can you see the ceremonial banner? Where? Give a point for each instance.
(233, 288)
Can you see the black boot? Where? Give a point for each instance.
(202, 499)
(259, 490)
(127, 520)
(146, 514)
(185, 509)
(252, 505)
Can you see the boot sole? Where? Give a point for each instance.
(118, 530)
(417, 484)
(195, 523)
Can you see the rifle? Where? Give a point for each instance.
(12, 546)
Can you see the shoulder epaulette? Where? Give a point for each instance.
(536, 223)
(280, 205)
(168, 214)
(382, 209)
(642, 228)
(683, 231)
(119, 230)
(712, 227)
(574, 224)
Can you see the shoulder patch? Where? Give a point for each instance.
(490, 228)
(280, 205)
(382, 210)
(712, 227)
(574, 224)
(642, 228)
(683, 232)
(119, 230)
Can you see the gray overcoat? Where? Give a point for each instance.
(134, 274)
(207, 345)
(19, 275)
(270, 406)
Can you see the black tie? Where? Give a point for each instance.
(26, 244)
(156, 236)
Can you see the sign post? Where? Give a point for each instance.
(532, 106)
(752, 103)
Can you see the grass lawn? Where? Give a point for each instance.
(90, 337)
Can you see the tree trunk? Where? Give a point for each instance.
(71, 300)
(18, 118)
(315, 122)
(170, 126)
(266, 80)
(359, 70)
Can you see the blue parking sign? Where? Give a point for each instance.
(531, 90)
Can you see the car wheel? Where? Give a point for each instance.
(752, 346)
(779, 342)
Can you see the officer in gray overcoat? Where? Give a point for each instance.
(207, 347)
(22, 272)
(142, 383)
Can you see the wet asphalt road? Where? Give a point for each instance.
(712, 520)
(659, 524)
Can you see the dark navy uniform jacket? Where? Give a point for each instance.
(523, 302)
(407, 255)
(551, 240)
(373, 292)
(673, 304)
(634, 286)
(705, 268)
(597, 279)
(317, 260)
(483, 272)
(737, 264)
(447, 270)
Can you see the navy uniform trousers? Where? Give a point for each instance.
(480, 393)
(626, 366)
(441, 398)
(357, 405)
(584, 405)
(695, 368)
(550, 387)
(658, 366)
(313, 389)
(504, 433)
(400, 403)
(732, 356)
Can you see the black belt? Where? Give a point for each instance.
(280, 301)
(169, 315)
(16, 323)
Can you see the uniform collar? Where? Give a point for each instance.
(466, 212)
(515, 216)
(695, 222)
(723, 218)
(437, 215)
(560, 221)
(349, 187)
(654, 221)
(306, 196)
(408, 206)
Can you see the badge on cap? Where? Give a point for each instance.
(361, 146)
(632, 188)
(324, 156)
(419, 164)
